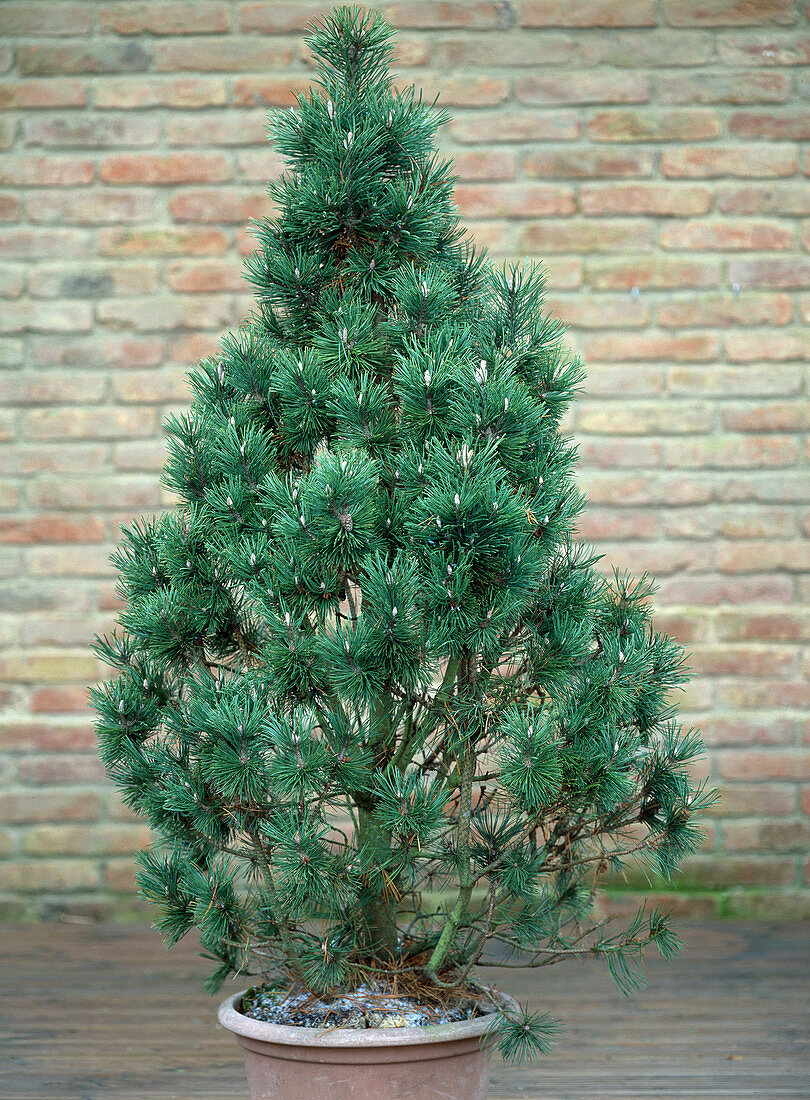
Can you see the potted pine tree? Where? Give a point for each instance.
(384, 714)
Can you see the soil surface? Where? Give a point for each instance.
(364, 1007)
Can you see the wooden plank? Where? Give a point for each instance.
(97, 1011)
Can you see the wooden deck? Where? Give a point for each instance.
(98, 1011)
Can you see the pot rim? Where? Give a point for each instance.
(233, 1020)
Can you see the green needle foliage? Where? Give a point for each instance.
(364, 665)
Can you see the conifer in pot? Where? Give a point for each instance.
(379, 705)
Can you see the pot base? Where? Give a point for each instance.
(441, 1062)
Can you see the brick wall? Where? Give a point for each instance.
(653, 153)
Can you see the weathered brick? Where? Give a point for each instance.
(471, 13)
(747, 347)
(74, 840)
(19, 807)
(65, 770)
(51, 528)
(723, 87)
(34, 244)
(765, 48)
(39, 171)
(735, 381)
(222, 128)
(600, 311)
(786, 625)
(645, 198)
(221, 54)
(722, 310)
(204, 276)
(777, 126)
(34, 875)
(650, 346)
(730, 160)
(516, 126)
(167, 17)
(727, 235)
(752, 764)
(647, 49)
(496, 50)
(97, 131)
(87, 423)
(99, 56)
(42, 17)
(790, 274)
(583, 87)
(651, 125)
(46, 316)
(92, 207)
(59, 700)
(731, 451)
(129, 92)
(169, 241)
(220, 204)
(95, 279)
(638, 418)
(581, 235)
(151, 314)
(652, 272)
(587, 13)
(91, 352)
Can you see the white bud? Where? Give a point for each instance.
(394, 611)
(146, 683)
(481, 374)
(424, 289)
(505, 404)
(330, 109)
(232, 422)
(457, 500)
(622, 657)
(297, 273)
(494, 506)
(230, 502)
(188, 564)
(438, 522)
(345, 334)
(295, 494)
(252, 559)
(287, 619)
(121, 706)
(427, 377)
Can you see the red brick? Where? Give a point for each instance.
(735, 452)
(9, 208)
(436, 16)
(645, 198)
(155, 169)
(785, 625)
(256, 91)
(151, 314)
(95, 279)
(138, 493)
(171, 241)
(723, 87)
(139, 454)
(730, 160)
(172, 17)
(519, 200)
(516, 126)
(735, 381)
(720, 311)
(766, 418)
(91, 131)
(746, 799)
(747, 557)
(652, 272)
(714, 591)
(465, 91)
(12, 281)
(599, 523)
(727, 235)
(223, 54)
(36, 171)
(634, 489)
(771, 764)
(46, 317)
(60, 770)
(480, 164)
(650, 346)
(202, 277)
(583, 87)
(220, 204)
(496, 50)
(19, 807)
(777, 126)
(58, 700)
(629, 380)
(653, 125)
(28, 94)
(159, 91)
(587, 13)
(781, 274)
(581, 235)
(111, 351)
(43, 17)
(727, 13)
(764, 48)
(51, 528)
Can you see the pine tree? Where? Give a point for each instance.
(377, 702)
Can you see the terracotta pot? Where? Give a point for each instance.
(395, 1063)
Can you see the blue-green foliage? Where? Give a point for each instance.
(366, 655)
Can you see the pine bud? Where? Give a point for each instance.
(230, 502)
(481, 374)
(457, 500)
(427, 377)
(330, 109)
